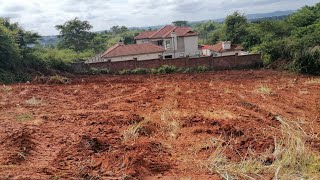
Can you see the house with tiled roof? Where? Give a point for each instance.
(225, 48)
(167, 42)
(177, 41)
(139, 52)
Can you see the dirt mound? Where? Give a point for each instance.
(19, 145)
(147, 158)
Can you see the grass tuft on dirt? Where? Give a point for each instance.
(291, 158)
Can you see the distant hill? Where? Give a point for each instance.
(48, 40)
(52, 40)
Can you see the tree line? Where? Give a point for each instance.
(294, 40)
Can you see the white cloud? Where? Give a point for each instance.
(42, 16)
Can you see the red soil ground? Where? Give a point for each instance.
(82, 130)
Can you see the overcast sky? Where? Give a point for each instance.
(42, 15)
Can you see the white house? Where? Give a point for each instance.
(177, 41)
(223, 49)
(167, 42)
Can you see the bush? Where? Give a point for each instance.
(140, 71)
(165, 69)
(202, 69)
(307, 61)
(99, 71)
(124, 72)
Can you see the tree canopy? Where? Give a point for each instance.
(75, 34)
(181, 23)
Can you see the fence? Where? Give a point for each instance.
(216, 63)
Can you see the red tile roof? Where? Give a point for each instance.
(166, 31)
(218, 47)
(132, 49)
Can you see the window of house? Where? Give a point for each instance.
(160, 43)
(168, 44)
(168, 57)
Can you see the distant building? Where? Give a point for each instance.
(177, 41)
(223, 49)
(165, 43)
(139, 52)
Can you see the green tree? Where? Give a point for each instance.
(235, 27)
(9, 49)
(75, 34)
(204, 29)
(181, 23)
(118, 29)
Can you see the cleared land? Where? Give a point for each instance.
(249, 124)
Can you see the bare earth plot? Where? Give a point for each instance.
(191, 126)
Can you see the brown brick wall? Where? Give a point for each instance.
(216, 63)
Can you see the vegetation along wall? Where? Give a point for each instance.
(216, 63)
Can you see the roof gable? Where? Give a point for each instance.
(166, 31)
(218, 47)
(132, 49)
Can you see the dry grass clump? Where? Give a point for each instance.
(25, 117)
(56, 79)
(313, 81)
(264, 89)
(33, 101)
(218, 114)
(171, 126)
(142, 128)
(6, 89)
(292, 159)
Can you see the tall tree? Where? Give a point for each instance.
(118, 29)
(75, 34)
(204, 29)
(235, 27)
(181, 23)
(9, 49)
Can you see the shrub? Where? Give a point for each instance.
(140, 71)
(202, 69)
(99, 71)
(125, 71)
(165, 69)
(307, 61)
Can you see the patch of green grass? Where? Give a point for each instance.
(25, 117)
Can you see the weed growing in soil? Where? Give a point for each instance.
(24, 117)
(227, 91)
(6, 89)
(171, 125)
(313, 81)
(143, 128)
(264, 89)
(33, 101)
(57, 79)
(291, 158)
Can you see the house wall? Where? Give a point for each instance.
(180, 44)
(216, 63)
(191, 45)
(140, 57)
(188, 46)
(142, 41)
